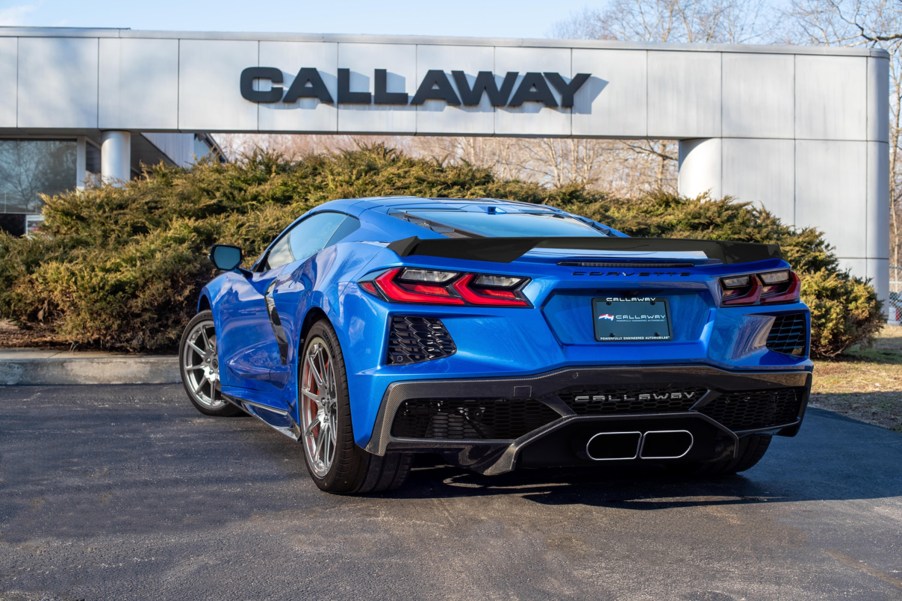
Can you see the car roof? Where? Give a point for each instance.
(380, 225)
(379, 211)
(356, 206)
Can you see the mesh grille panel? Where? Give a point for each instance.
(412, 339)
(756, 408)
(788, 334)
(585, 400)
(468, 419)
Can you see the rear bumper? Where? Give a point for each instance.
(715, 406)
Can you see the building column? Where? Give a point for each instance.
(115, 157)
(700, 167)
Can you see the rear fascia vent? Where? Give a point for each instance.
(413, 339)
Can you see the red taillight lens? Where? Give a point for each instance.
(740, 291)
(484, 296)
(408, 292)
(432, 287)
(764, 288)
(784, 291)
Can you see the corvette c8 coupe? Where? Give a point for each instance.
(502, 335)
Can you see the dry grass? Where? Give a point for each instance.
(866, 384)
(12, 336)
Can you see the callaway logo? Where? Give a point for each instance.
(264, 85)
(631, 299)
(662, 396)
(607, 316)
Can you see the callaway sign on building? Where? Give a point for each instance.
(803, 131)
(436, 85)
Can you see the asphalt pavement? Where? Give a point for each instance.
(126, 492)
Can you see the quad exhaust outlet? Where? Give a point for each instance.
(654, 444)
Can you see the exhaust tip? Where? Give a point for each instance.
(614, 446)
(666, 444)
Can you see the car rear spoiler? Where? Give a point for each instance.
(505, 250)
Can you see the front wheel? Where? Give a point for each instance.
(334, 460)
(199, 367)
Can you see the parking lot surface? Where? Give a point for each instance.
(126, 492)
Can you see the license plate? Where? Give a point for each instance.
(631, 319)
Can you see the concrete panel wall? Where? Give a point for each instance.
(758, 96)
(877, 217)
(762, 172)
(208, 81)
(9, 55)
(878, 100)
(831, 97)
(620, 82)
(139, 87)
(876, 270)
(828, 174)
(57, 83)
(684, 98)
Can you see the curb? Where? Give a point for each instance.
(23, 368)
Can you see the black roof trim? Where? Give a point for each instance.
(505, 250)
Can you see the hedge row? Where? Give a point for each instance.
(120, 268)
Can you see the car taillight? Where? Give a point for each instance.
(436, 287)
(763, 288)
(740, 290)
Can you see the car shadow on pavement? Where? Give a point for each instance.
(833, 458)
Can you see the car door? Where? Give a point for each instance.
(254, 343)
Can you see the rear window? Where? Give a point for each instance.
(493, 224)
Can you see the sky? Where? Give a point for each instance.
(481, 18)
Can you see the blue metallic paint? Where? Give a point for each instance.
(492, 342)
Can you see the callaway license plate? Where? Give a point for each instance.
(631, 319)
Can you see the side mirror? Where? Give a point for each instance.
(225, 256)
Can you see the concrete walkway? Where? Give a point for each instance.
(40, 367)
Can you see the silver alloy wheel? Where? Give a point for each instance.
(319, 407)
(201, 365)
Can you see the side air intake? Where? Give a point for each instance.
(788, 334)
(412, 339)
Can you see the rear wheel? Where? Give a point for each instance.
(334, 460)
(199, 367)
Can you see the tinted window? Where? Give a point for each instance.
(306, 238)
(481, 223)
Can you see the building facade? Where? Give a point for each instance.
(802, 131)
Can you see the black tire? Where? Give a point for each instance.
(751, 449)
(350, 470)
(199, 365)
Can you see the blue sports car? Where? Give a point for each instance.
(502, 335)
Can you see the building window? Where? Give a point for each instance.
(29, 168)
(92, 163)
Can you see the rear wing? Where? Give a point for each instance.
(505, 250)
